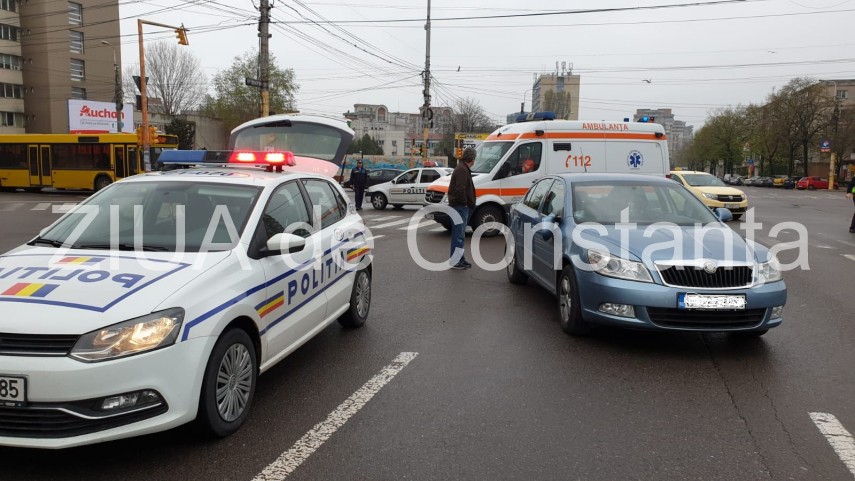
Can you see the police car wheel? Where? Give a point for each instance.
(515, 275)
(229, 384)
(569, 307)
(379, 201)
(489, 215)
(360, 301)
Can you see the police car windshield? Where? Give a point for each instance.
(640, 203)
(703, 180)
(489, 154)
(303, 139)
(159, 216)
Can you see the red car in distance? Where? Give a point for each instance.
(811, 183)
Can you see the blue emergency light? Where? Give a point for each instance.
(533, 116)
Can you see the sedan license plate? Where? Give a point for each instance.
(710, 302)
(13, 391)
(731, 206)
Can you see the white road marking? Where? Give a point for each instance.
(389, 224)
(10, 207)
(840, 439)
(413, 227)
(381, 219)
(62, 209)
(439, 229)
(314, 439)
(849, 256)
(42, 206)
(375, 237)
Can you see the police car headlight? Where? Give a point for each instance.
(154, 331)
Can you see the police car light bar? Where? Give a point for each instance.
(532, 116)
(263, 158)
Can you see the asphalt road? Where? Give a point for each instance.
(498, 391)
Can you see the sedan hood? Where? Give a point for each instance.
(47, 291)
(654, 244)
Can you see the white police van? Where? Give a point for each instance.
(160, 299)
(515, 156)
(408, 188)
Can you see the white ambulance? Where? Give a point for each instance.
(516, 155)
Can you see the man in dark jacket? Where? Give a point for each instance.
(461, 198)
(850, 194)
(358, 178)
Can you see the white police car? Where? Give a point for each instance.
(161, 298)
(407, 188)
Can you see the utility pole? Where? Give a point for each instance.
(427, 113)
(118, 98)
(264, 56)
(835, 119)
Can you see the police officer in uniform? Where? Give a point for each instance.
(358, 178)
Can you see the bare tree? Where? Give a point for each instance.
(806, 109)
(175, 77)
(471, 117)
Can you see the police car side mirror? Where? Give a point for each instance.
(284, 243)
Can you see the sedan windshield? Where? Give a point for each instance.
(157, 216)
(639, 202)
(489, 154)
(703, 180)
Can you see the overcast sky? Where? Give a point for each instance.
(697, 58)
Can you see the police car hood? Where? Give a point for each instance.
(52, 291)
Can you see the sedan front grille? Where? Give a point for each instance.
(434, 197)
(712, 320)
(57, 422)
(730, 198)
(36, 344)
(697, 277)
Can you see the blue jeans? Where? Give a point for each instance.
(458, 233)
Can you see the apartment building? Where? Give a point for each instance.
(557, 92)
(51, 51)
(679, 134)
(398, 133)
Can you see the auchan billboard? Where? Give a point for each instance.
(91, 117)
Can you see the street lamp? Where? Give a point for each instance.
(119, 94)
(835, 117)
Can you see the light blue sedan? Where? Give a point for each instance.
(641, 252)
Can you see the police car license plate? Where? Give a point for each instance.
(701, 301)
(13, 391)
(731, 206)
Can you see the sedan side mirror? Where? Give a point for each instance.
(723, 214)
(284, 243)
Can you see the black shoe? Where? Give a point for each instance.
(852, 230)
(359, 208)
(459, 266)
(466, 264)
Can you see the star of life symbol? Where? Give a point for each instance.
(635, 159)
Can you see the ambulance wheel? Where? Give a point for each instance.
(398, 206)
(360, 301)
(569, 306)
(379, 201)
(515, 275)
(101, 181)
(486, 215)
(229, 384)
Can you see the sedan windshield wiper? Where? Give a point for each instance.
(42, 240)
(122, 247)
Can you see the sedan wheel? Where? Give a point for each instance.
(569, 307)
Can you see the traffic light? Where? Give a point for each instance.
(152, 134)
(181, 34)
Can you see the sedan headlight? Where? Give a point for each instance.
(770, 271)
(156, 330)
(710, 196)
(608, 265)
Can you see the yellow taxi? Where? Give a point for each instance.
(712, 191)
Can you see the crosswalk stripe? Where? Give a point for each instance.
(413, 227)
(390, 224)
(42, 206)
(375, 237)
(439, 229)
(11, 206)
(381, 219)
